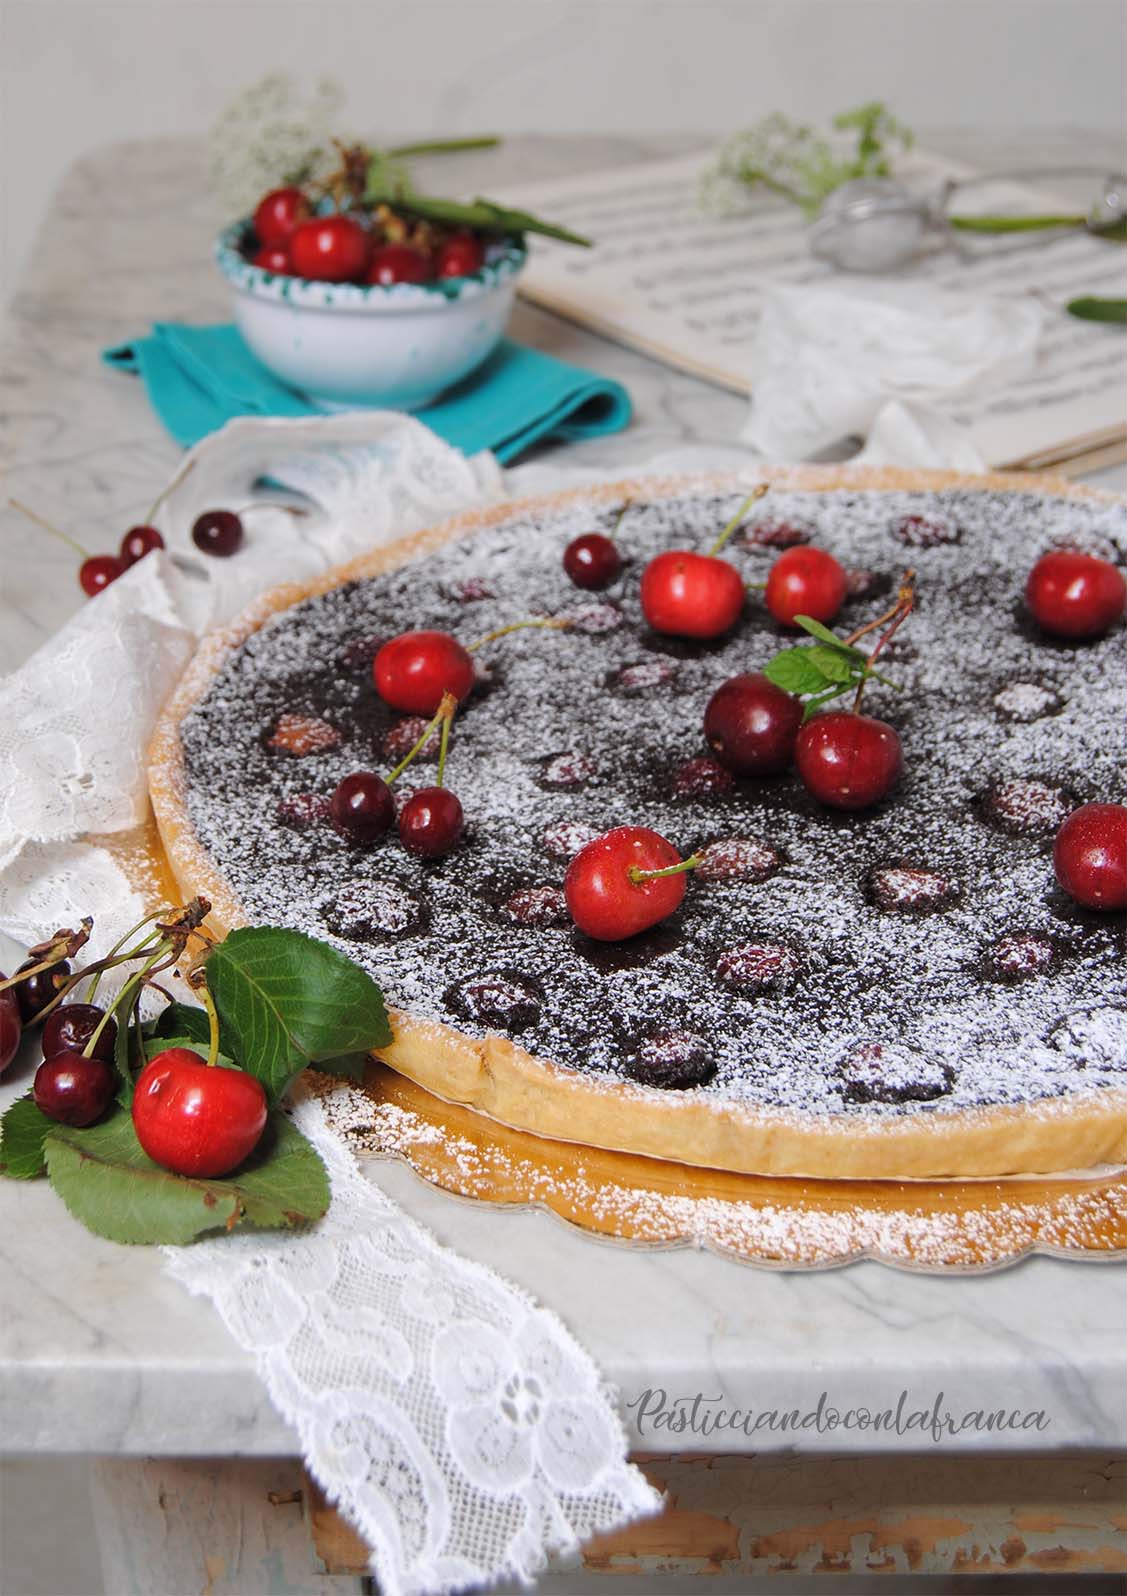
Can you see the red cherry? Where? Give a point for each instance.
(751, 725)
(274, 258)
(35, 992)
(460, 256)
(197, 1120)
(398, 263)
(847, 761)
(592, 561)
(691, 595)
(329, 249)
(602, 898)
(1090, 856)
(68, 1029)
(137, 542)
(11, 1026)
(218, 532)
(98, 572)
(414, 670)
(72, 1089)
(805, 581)
(362, 808)
(430, 822)
(1075, 595)
(278, 213)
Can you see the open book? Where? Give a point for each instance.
(687, 288)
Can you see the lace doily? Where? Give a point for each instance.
(460, 1427)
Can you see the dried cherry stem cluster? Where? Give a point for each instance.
(893, 618)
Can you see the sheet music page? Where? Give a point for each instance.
(688, 287)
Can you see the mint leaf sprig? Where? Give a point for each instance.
(832, 666)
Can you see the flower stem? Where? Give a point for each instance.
(557, 623)
(48, 526)
(638, 876)
(755, 494)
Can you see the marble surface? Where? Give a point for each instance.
(98, 1351)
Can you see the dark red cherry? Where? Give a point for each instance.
(362, 808)
(691, 595)
(68, 1029)
(11, 1026)
(460, 256)
(398, 263)
(218, 532)
(38, 990)
(847, 761)
(751, 725)
(431, 822)
(278, 213)
(1071, 594)
(603, 898)
(274, 258)
(805, 581)
(72, 1089)
(137, 542)
(592, 561)
(96, 573)
(329, 249)
(414, 670)
(1090, 856)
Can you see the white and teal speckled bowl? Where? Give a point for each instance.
(347, 347)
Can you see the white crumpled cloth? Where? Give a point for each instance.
(462, 1429)
(881, 361)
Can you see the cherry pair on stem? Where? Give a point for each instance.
(431, 821)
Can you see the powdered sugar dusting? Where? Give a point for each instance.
(551, 749)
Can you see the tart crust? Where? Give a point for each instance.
(498, 1077)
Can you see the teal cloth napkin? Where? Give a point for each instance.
(199, 377)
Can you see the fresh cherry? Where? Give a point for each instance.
(691, 595)
(1090, 856)
(592, 561)
(196, 1119)
(1071, 594)
(329, 249)
(278, 213)
(398, 263)
(11, 1026)
(805, 581)
(218, 532)
(430, 822)
(34, 994)
(137, 542)
(73, 1089)
(96, 573)
(604, 897)
(751, 725)
(460, 256)
(68, 1028)
(274, 258)
(847, 761)
(413, 671)
(362, 808)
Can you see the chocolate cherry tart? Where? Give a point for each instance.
(899, 990)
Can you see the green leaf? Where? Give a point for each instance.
(816, 629)
(835, 665)
(23, 1130)
(110, 1184)
(1089, 308)
(481, 214)
(813, 705)
(286, 1000)
(795, 672)
(348, 1066)
(1012, 224)
(154, 1046)
(184, 1020)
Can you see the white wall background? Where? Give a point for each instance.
(74, 73)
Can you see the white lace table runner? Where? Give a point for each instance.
(461, 1428)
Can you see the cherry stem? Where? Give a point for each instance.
(212, 1026)
(442, 716)
(100, 969)
(756, 493)
(557, 623)
(638, 876)
(905, 591)
(905, 602)
(618, 519)
(447, 710)
(189, 465)
(33, 515)
(129, 991)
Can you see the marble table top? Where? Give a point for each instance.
(99, 1352)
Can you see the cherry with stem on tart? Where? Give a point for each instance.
(625, 882)
(805, 581)
(70, 1028)
(432, 821)
(847, 760)
(592, 561)
(1090, 856)
(415, 669)
(11, 1026)
(278, 213)
(460, 256)
(751, 725)
(96, 572)
(1076, 595)
(362, 808)
(73, 1089)
(685, 594)
(329, 249)
(397, 263)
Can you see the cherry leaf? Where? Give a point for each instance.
(796, 672)
(816, 629)
(23, 1130)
